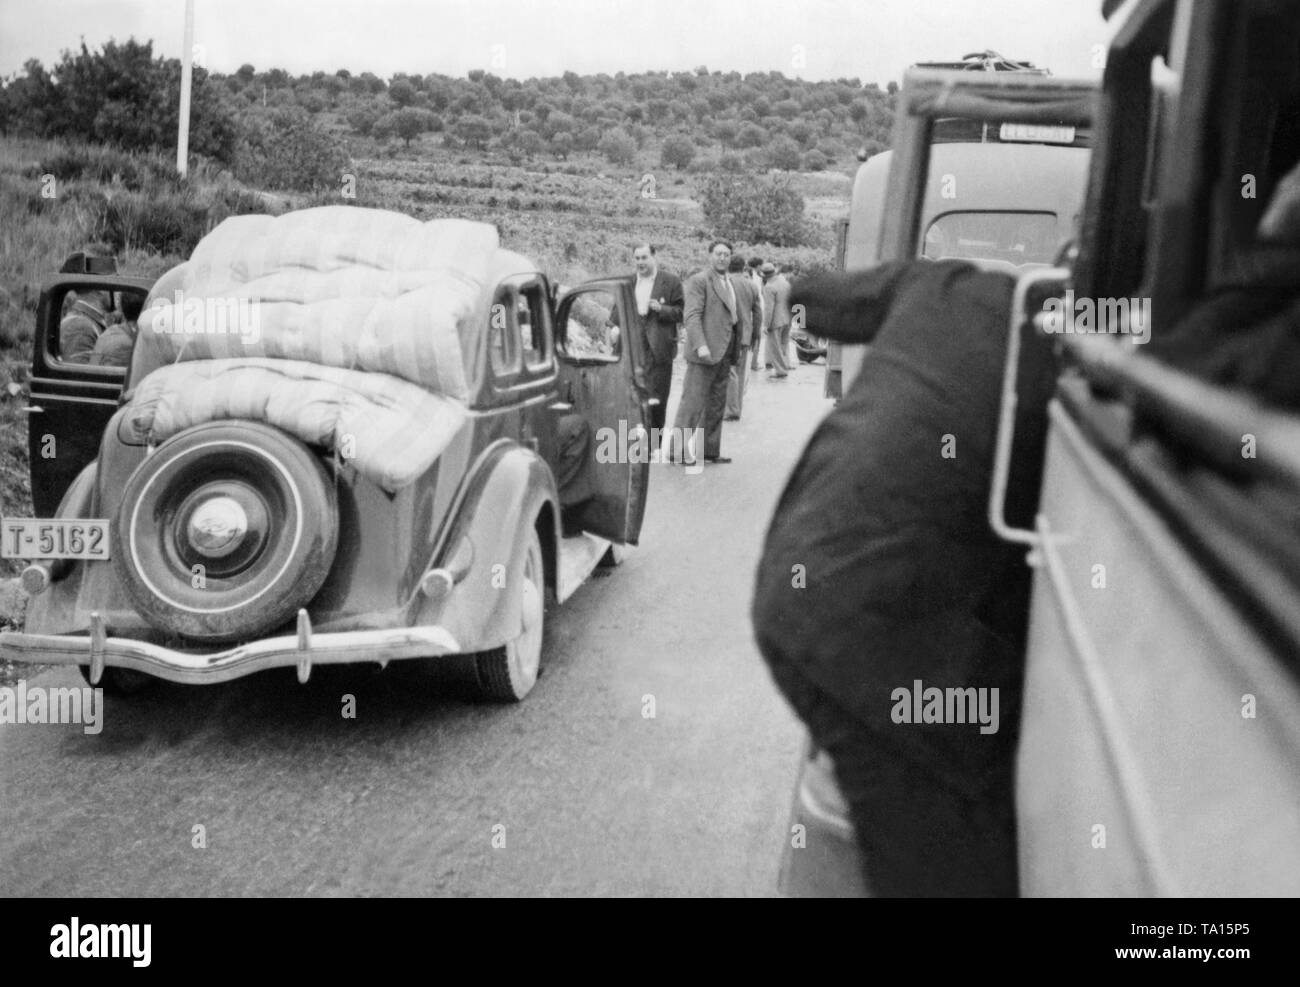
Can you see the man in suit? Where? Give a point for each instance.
(751, 324)
(776, 321)
(713, 330)
(755, 275)
(659, 309)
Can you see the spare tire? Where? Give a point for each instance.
(225, 530)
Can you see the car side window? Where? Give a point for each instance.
(94, 327)
(534, 326)
(503, 337)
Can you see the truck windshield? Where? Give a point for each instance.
(1016, 238)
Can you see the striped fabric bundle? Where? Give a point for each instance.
(389, 429)
(349, 328)
(340, 286)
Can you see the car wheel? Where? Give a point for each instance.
(120, 681)
(508, 674)
(225, 530)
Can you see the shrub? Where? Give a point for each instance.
(732, 163)
(473, 131)
(751, 135)
(618, 147)
(289, 150)
(363, 118)
(104, 165)
(755, 209)
(784, 154)
(814, 160)
(678, 151)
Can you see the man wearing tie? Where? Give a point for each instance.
(712, 320)
(659, 307)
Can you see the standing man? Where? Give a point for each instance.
(659, 307)
(776, 321)
(712, 320)
(756, 278)
(751, 326)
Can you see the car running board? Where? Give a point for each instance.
(579, 555)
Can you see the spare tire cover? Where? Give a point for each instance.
(225, 530)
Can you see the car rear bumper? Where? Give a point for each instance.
(302, 650)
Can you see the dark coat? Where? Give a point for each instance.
(905, 579)
(751, 309)
(659, 329)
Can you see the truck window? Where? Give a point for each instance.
(1012, 237)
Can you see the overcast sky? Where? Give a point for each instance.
(872, 40)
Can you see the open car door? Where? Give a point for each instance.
(70, 402)
(601, 380)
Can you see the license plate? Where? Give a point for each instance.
(42, 538)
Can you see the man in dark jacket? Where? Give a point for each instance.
(659, 307)
(749, 302)
(880, 572)
(711, 318)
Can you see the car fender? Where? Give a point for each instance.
(508, 492)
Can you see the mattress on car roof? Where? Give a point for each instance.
(389, 429)
(349, 328)
(340, 286)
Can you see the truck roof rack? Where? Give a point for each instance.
(986, 61)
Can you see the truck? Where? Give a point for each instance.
(1160, 736)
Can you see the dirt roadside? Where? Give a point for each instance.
(13, 604)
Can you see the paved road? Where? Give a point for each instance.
(594, 798)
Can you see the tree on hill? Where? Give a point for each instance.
(618, 147)
(122, 95)
(473, 131)
(562, 145)
(784, 154)
(677, 151)
(408, 123)
(287, 149)
(402, 93)
(751, 135)
(755, 209)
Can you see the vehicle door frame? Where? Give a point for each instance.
(70, 403)
(626, 526)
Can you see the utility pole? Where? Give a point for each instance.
(187, 78)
